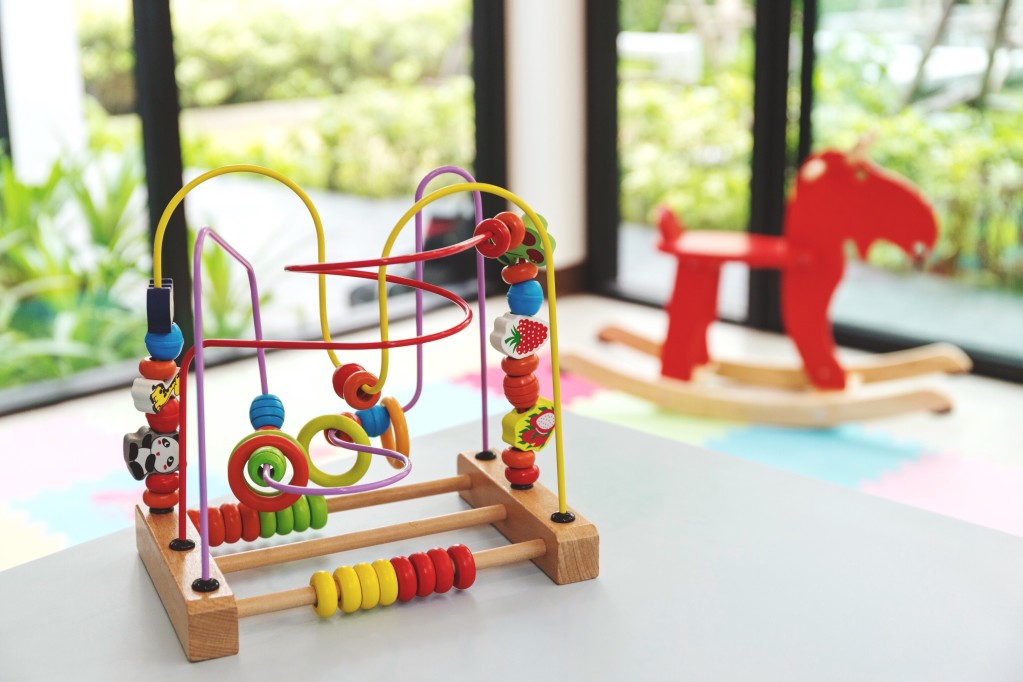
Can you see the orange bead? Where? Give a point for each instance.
(523, 271)
(357, 398)
(522, 478)
(341, 435)
(518, 459)
(522, 392)
(232, 522)
(161, 370)
(341, 375)
(516, 227)
(216, 526)
(167, 419)
(163, 483)
(520, 367)
(159, 500)
(250, 522)
(499, 234)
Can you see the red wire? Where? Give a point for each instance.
(187, 358)
(434, 254)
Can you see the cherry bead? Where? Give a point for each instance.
(500, 237)
(426, 575)
(516, 227)
(520, 367)
(407, 582)
(163, 483)
(522, 477)
(167, 419)
(523, 271)
(353, 393)
(465, 566)
(341, 375)
(518, 459)
(443, 568)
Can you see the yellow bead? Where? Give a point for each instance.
(388, 581)
(326, 593)
(370, 585)
(350, 588)
(529, 430)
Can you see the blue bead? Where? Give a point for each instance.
(165, 346)
(375, 420)
(266, 410)
(525, 298)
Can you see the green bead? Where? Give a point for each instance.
(285, 521)
(266, 455)
(317, 511)
(300, 511)
(267, 524)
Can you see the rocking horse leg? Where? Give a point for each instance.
(692, 308)
(805, 296)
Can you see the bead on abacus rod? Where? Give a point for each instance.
(516, 228)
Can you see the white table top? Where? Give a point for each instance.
(712, 568)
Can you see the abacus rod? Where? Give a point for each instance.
(399, 493)
(306, 549)
(306, 596)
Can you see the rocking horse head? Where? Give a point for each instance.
(840, 196)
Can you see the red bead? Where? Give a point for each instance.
(159, 500)
(516, 227)
(426, 575)
(163, 483)
(193, 515)
(250, 522)
(407, 583)
(520, 367)
(443, 568)
(160, 370)
(357, 398)
(518, 459)
(522, 392)
(465, 566)
(522, 476)
(232, 523)
(216, 526)
(500, 238)
(341, 375)
(523, 271)
(167, 419)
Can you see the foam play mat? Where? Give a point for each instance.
(76, 504)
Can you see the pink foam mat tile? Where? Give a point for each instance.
(975, 490)
(572, 387)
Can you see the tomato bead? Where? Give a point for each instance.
(516, 227)
(443, 568)
(407, 582)
(426, 575)
(518, 459)
(522, 392)
(500, 238)
(520, 367)
(522, 477)
(465, 566)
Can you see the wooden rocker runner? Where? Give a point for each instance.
(837, 197)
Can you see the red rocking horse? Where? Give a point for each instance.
(837, 197)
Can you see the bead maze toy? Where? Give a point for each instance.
(837, 197)
(539, 524)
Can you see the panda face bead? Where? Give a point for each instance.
(164, 454)
(147, 452)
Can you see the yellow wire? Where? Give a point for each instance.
(247, 168)
(551, 303)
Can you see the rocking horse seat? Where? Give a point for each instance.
(718, 248)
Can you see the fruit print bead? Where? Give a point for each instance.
(518, 336)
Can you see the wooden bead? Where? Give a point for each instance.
(500, 238)
(341, 375)
(529, 430)
(349, 588)
(355, 396)
(426, 574)
(300, 510)
(232, 523)
(326, 594)
(465, 566)
(161, 370)
(518, 459)
(150, 395)
(163, 483)
(520, 367)
(285, 520)
(165, 346)
(388, 580)
(250, 522)
(370, 585)
(522, 392)
(516, 228)
(525, 298)
(444, 569)
(159, 500)
(266, 410)
(523, 271)
(375, 420)
(341, 435)
(216, 523)
(522, 476)
(167, 419)
(406, 573)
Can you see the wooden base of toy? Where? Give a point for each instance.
(207, 624)
(798, 404)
